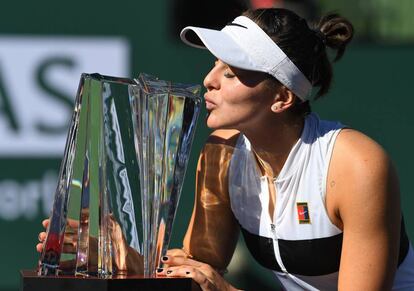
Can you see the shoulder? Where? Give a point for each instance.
(218, 149)
(361, 172)
(365, 189)
(226, 137)
(357, 152)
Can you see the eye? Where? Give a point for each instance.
(229, 74)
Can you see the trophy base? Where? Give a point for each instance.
(30, 281)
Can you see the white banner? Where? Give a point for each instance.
(39, 77)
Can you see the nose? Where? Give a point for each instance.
(211, 81)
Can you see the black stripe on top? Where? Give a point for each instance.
(236, 24)
(310, 257)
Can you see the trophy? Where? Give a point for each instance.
(121, 176)
(166, 116)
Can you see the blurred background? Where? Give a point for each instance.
(45, 46)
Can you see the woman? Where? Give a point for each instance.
(317, 203)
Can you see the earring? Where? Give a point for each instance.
(275, 107)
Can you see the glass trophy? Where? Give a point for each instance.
(121, 176)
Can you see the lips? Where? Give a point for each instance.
(210, 105)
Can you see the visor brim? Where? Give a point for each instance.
(220, 44)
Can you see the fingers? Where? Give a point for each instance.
(182, 266)
(45, 223)
(70, 238)
(42, 236)
(69, 243)
(204, 280)
(72, 223)
(173, 253)
(186, 267)
(39, 247)
(178, 261)
(70, 247)
(176, 253)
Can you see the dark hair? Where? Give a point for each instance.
(304, 45)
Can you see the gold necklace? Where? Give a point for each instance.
(263, 166)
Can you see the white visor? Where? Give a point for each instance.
(243, 44)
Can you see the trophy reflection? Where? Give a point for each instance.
(121, 176)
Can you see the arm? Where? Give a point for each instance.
(213, 231)
(365, 189)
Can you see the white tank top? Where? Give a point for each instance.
(300, 230)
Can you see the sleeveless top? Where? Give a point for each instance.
(300, 232)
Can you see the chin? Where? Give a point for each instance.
(213, 126)
(215, 123)
(210, 123)
(216, 126)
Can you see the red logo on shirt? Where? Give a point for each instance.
(303, 212)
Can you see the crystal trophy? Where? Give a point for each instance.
(165, 122)
(121, 176)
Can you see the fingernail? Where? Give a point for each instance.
(159, 270)
(169, 272)
(165, 258)
(187, 273)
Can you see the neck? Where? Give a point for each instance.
(273, 143)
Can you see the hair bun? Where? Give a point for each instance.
(338, 32)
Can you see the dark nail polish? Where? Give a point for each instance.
(159, 270)
(165, 258)
(187, 273)
(169, 272)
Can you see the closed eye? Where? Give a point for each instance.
(228, 74)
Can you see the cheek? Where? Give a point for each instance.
(239, 104)
(243, 100)
(238, 95)
(233, 112)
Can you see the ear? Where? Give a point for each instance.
(283, 100)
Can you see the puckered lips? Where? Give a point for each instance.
(210, 105)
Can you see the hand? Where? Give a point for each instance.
(42, 236)
(206, 276)
(125, 259)
(177, 253)
(70, 239)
